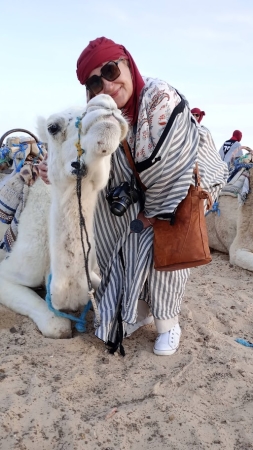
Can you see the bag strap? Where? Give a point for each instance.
(143, 165)
(137, 176)
(196, 175)
(132, 164)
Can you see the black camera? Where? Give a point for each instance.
(121, 197)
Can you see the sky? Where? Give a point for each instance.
(202, 48)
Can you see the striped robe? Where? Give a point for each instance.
(126, 259)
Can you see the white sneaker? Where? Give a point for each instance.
(168, 343)
(131, 328)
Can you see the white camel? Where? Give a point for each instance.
(232, 231)
(49, 228)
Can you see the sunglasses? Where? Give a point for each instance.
(110, 72)
(196, 115)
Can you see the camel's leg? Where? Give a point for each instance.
(241, 257)
(241, 250)
(214, 241)
(24, 300)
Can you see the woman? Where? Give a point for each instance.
(198, 114)
(125, 258)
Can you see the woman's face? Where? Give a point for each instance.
(120, 89)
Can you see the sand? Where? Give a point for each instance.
(71, 394)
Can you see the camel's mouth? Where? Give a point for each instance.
(103, 117)
(112, 118)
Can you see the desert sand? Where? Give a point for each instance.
(72, 394)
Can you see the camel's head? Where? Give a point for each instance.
(102, 127)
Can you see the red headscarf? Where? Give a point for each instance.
(237, 135)
(102, 50)
(198, 111)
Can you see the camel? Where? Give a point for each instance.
(49, 228)
(232, 231)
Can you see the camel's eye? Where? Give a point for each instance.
(54, 128)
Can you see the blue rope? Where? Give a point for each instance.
(4, 154)
(215, 208)
(22, 148)
(244, 342)
(39, 145)
(80, 321)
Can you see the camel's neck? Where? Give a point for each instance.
(65, 220)
(68, 253)
(65, 201)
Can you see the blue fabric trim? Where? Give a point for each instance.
(6, 206)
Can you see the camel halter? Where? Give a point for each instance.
(79, 172)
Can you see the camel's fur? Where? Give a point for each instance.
(232, 231)
(49, 233)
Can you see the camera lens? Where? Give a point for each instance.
(118, 208)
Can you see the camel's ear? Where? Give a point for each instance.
(42, 129)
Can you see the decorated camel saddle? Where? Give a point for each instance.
(18, 150)
(238, 181)
(19, 159)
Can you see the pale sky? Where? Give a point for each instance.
(202, 48)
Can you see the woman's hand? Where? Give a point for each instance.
(43, 170)
(147, 222)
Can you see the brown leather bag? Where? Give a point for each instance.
(184, 243)
(181, 243)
